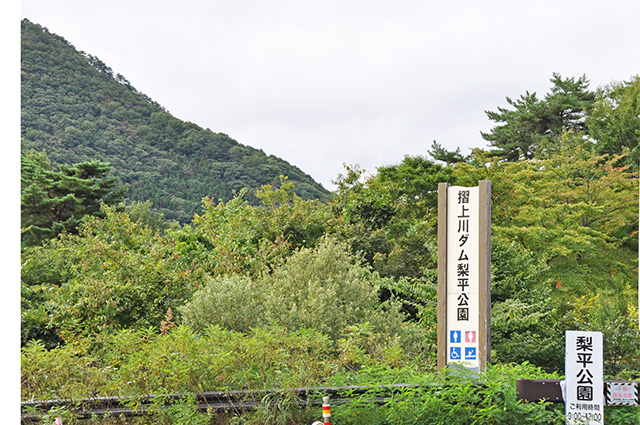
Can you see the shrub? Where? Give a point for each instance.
(450, 398)
(324, 288)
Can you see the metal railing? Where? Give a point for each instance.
(217, 401)
(243, 401)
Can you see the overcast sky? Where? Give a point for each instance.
(323, 83)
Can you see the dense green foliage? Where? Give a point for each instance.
(322, 288)
(298, 292)
(135, 363)
(273, 358)
(113, 274)
(614, 121)
(76, 109)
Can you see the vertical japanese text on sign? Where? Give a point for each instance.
(583, 375)
(463, 274)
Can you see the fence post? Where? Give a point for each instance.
(326, 411)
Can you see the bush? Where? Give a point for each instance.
(114, 274)
(324, 288)
(133, 363)
(451, 398)
(233, 302)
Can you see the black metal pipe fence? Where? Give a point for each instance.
(243, 401)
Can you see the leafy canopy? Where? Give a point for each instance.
(614, 121)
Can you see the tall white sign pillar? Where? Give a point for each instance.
(464, 274)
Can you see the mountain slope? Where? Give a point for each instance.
(76, 109)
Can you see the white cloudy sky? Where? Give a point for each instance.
(322, 83)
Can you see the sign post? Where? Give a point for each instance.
(584, 401)
(464, 257)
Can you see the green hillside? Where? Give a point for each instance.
(76, 109)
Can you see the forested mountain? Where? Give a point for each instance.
(75, 109)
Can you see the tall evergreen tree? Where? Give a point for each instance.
(531, 120)
(56, 201)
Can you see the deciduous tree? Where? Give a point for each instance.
(614, 122)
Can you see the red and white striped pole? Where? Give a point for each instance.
(326, 413)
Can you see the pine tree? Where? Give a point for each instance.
(531, 120)
(56, 201)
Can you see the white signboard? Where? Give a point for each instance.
(463, 297)
(622, 393)
(584, 391)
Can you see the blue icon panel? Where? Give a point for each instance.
(455, 353)
(470, 353)
(455, 337)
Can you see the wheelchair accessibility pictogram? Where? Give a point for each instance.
(455, 353)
